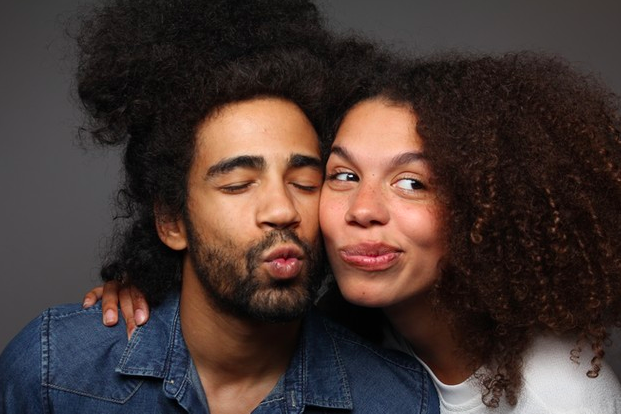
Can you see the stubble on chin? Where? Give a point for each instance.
(233, 280)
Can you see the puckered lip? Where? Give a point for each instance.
(371, 249)
(289, 251)
(370, 256)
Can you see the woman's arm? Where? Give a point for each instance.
(133, 305)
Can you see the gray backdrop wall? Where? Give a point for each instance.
(56, 199)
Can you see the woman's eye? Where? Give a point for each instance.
(343, 176)
(409, 184)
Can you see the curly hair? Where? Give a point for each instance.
(149, 71)
(525, 155)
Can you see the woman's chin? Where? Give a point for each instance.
(364, 297)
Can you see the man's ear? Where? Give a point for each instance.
(172, 231)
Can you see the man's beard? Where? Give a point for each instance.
(242, 290)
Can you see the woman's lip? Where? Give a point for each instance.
(370, 256)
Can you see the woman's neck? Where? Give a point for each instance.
(431, 338)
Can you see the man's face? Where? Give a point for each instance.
(251, 222)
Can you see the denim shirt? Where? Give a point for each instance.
(66, 361)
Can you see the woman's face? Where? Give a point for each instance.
(378, 213)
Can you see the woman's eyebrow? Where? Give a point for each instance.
(342, 152)
(407, 158)
(399, 159)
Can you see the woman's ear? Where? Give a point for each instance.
(172, 231)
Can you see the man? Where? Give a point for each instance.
(216, 104)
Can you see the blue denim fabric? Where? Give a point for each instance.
(67, 362)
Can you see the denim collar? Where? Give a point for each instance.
(316, 375)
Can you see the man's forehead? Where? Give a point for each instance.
(264, 109)
(265, 127)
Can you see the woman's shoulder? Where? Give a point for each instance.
(558, 383)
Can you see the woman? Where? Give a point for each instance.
(476, 202)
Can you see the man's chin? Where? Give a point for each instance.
(279, 305)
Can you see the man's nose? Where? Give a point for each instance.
(276, 208)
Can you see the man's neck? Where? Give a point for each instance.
(238, 360)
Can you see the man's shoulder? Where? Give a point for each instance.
(74, 338)
(380, 380)
(366, 350)
(63, 332)
(66, 348)
(20, 370)
(66, 337)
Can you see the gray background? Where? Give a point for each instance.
(56, 198)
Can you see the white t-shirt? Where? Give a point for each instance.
(552, 384)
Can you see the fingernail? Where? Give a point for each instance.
(140, 316)
(109, 317)
(86, 303)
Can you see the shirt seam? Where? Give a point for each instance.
(96, 397)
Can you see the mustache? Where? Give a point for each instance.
(276, 237)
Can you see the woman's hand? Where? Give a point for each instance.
(133, 305)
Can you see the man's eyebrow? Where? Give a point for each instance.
(401, 159)
(301, 161)
(229, 164)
